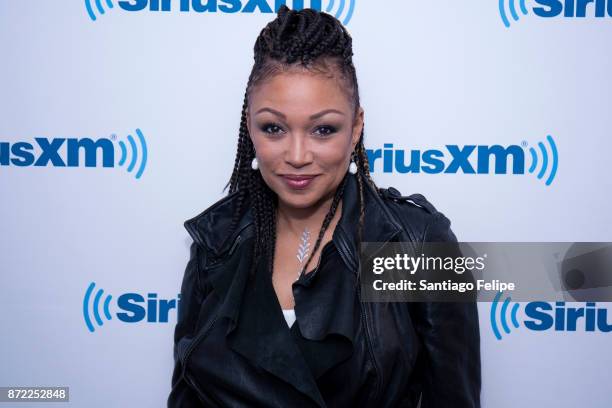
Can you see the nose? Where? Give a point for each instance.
(298, 152)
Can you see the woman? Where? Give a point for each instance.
(271, 312)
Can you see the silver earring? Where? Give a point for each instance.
(254, 164)
(352, 167)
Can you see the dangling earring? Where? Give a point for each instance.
(254, 164)
(353, 165)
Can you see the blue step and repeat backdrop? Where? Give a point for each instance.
(119, 121)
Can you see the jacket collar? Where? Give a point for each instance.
(211, 227)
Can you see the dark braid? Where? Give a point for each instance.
(327, 220)
(311, 39)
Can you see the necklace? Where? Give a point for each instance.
(302, 251)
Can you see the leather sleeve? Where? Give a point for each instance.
(182, 395)
(450, 336)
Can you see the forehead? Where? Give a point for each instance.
(300, 91)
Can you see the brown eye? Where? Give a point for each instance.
(271, 128)
(325, 130)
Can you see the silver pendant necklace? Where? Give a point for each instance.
(303, 250)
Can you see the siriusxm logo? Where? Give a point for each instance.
(342, 9)
(541, 316)
(470, 159)
(66, 152)
(555, 8)
(133, 308)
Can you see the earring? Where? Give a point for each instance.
(352, 167)
(254, 164)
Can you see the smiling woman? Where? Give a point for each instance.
(257, 327)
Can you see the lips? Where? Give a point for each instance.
(298, 182)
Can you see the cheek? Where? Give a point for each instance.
(333, 154)
(266, 150)
(267, 153)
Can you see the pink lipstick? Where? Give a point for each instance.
(298, 182)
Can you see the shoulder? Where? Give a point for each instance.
(210, 227)
(417, 216)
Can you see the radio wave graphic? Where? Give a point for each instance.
(511, 9)
(552, 162)
(95, 307)
(340, 9)
(134, 153)
(503, 315)
(99, 6)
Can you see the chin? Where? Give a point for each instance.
(298, 200)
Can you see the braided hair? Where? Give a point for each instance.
(307, 38)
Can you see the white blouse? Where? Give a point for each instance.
(289, 316)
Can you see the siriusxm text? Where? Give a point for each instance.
(544, 316)
(135, 308)
(212, 6)
(57, 152)
(573, 8)
(468, 159)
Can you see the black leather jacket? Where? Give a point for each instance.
(416, 353)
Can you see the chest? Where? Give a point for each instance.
(290, 258)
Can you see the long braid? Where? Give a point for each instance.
(328, 217)
(305, 37)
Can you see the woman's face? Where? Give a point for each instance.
(302, 125)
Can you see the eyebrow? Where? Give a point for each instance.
(312, 117)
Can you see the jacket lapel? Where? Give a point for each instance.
(379, 224)
(257, 329)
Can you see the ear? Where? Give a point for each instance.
(357, 128)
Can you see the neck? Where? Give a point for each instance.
(295, 220)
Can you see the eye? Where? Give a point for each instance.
(271, 128)
(325, 131)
